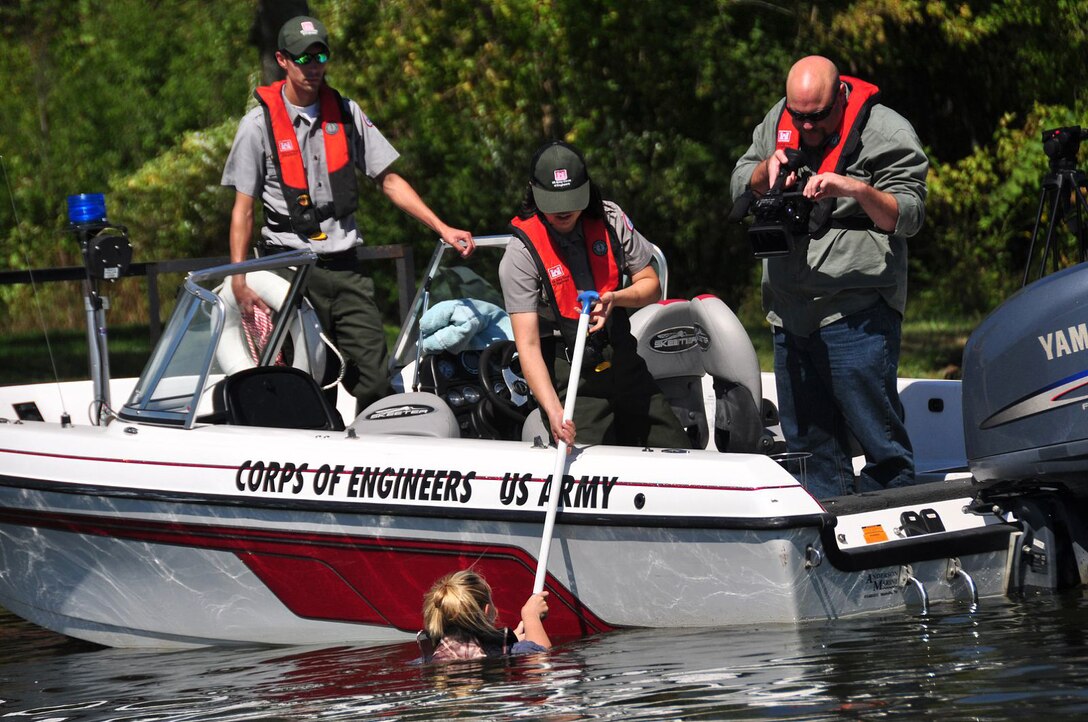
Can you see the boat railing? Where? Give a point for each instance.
(401, 255)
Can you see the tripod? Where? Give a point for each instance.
(1062, 186)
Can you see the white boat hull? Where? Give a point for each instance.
(150, 536)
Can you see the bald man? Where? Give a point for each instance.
(836, 302)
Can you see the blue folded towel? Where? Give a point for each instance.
(463, 324)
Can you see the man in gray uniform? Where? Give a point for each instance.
(569, 239)
(298, 151)
(836, 302)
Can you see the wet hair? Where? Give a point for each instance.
(454, 607)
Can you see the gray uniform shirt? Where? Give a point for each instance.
(524, 290)
(846, 271)
(251, 169)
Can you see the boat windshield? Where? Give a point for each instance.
(206, 339)
(449, 277)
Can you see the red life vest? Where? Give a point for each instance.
(303, 217)
(601, 250)
(863, 96)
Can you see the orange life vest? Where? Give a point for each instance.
(303, 216)
(863, 96)
(605, 258)
(599, 250)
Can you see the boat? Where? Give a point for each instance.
(226, 501)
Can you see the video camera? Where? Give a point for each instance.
(1063, 196)
(780, 218)
(1061, 145)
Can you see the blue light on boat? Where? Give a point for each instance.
(87, 208)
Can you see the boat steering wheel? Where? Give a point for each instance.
(508, 391)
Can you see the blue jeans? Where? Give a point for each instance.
(839, 381)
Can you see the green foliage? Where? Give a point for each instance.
(956, 68)
(175, 200)
(101, 88)
(981, 215)
(141, 100)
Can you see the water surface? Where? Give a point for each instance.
(1008, 660)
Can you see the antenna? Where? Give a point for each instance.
(65, 418)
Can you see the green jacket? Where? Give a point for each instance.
(844, 271)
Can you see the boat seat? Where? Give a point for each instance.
(413, 413)
(535, 429)
(281, 397)
(681, 341)
(667, 342)
(730, 359)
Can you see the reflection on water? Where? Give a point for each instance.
(1025, 659)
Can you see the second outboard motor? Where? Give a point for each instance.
(1025, 386)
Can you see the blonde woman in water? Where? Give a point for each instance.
(459, 622)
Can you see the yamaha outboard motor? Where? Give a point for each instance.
(1025, 385)
(1025, 416)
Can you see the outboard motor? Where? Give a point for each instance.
(1025, 386)
(1025, 416)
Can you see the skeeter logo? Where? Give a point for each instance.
(679, 339)
(400, 412)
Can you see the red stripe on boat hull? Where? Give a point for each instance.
(362, 579)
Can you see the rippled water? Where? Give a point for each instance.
(1008, 660)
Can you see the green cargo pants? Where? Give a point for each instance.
(343, 298)
(620, 403)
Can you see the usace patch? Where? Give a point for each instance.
(599, 248)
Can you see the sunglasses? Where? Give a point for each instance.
(818, 115)
(306, 58)
(813, 117)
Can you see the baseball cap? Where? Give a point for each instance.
(559, 179)
(301, 32)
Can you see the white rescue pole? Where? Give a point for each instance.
(587, 299)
